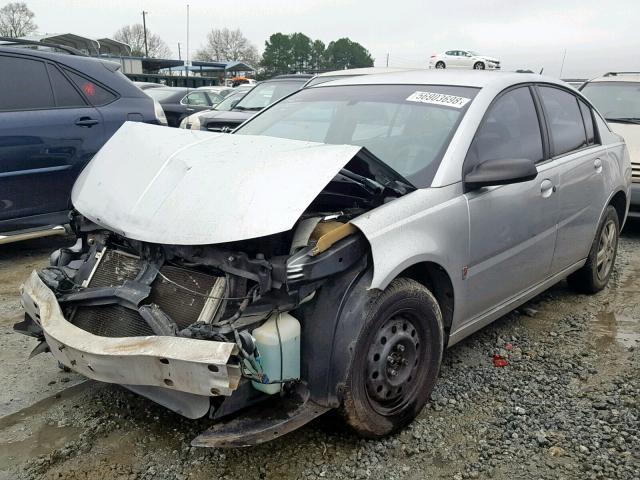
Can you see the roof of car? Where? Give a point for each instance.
(98, 68)
(362, 71)
(462, 78)
(293, 76)
(618, 77)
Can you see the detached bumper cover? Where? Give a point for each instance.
(199, 367)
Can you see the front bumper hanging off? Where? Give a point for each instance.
(199, 367)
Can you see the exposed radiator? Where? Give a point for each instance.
(180, 304)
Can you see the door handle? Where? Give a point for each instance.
(86, 122)
(547, 188)
(597, 164)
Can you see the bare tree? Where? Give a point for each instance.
(16, 20)
(133, 35)
(224, 44)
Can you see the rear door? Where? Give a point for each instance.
(512, 228)
(112, 113)
(582, 162)
(47, 134)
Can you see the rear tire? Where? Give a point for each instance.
(478, 66)
(396, 360)
(440, 64)
(595, 274)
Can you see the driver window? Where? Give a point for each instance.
(509, 130)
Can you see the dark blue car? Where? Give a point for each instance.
(56, 111)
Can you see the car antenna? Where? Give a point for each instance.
(541, 70)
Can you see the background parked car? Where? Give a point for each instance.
(463, 59)
(217, 89)
(192, 122)
(179, 102)
(352, 72)
(617, 96)
(56, 112)
(147, 85)
(261, 96)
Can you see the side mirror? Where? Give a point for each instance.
(501, 172)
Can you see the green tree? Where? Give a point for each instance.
(300, 51)
(277, 57)
(317, 55)
(345, 53)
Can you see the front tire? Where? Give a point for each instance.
(595, 274)
(440, 65)
(396, 360)
(478, 66)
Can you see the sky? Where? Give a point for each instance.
(593, 36)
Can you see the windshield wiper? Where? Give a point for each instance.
(631, 120)
(367, 183)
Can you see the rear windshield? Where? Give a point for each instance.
(408, 127)
(615, 99)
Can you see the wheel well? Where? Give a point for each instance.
(437, 280)
(619, 202)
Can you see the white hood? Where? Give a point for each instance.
(176, 186)
(631, 135)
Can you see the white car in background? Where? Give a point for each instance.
(463, 59)
(617, 96)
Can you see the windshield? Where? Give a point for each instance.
(615, 99)
(406, 126)
(161, 94)
(229, 102)
(471, 52)
(266, 93)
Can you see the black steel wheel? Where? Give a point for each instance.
(396, 360)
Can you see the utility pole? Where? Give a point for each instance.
(179, 56)
(187, 62)
(564, 55)
(144, 27)
(387, 59)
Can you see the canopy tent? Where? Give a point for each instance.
(84, 44)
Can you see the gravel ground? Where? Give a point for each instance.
(565, 407)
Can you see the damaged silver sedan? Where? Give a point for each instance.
(324, 254)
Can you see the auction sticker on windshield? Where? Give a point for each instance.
(438, 99)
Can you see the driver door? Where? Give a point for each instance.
(512, 227)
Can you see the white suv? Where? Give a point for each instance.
(617, 96)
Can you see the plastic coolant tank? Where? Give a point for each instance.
(268, 344)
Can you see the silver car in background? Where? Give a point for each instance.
(330, 248)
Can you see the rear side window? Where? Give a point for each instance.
(565, 120)
(64, 92)
(96, 94)
(197, 98)
(509, 130)
(587, 117)
(24, 84)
